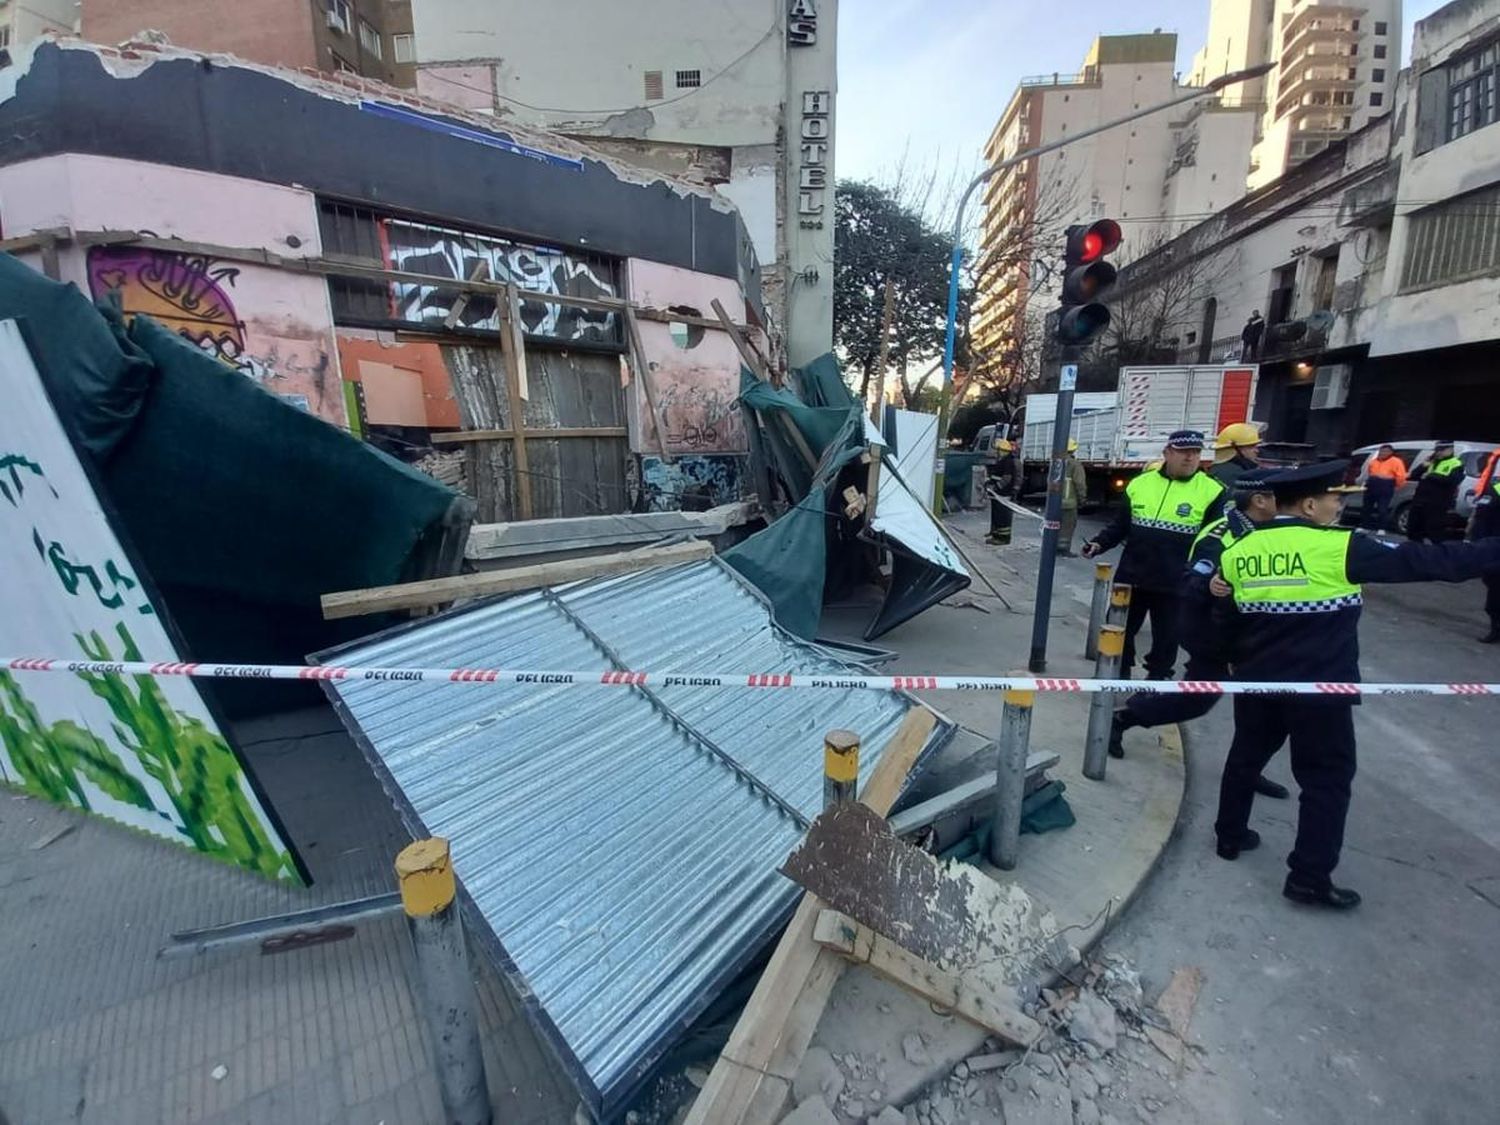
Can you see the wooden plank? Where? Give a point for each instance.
(478, 273)
(516, 408)
(753, 1075)
(648, 382)
(458, 437)
(668, 316)
(872, 483)
(885, 352)
(983, 1007)
(516, 330)
(41, 239)
(437, 591)
(758, 369)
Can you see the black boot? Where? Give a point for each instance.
(1335, 898)
(1493, 636)
(1117, 730)
(1247, 843)
(1268, 788)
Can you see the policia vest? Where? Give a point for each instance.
(1298, 612)
(1166, 515)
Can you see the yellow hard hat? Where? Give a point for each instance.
(1072, 445)
(1238, 433)
(1004, 446)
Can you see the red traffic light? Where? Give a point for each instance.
(1090, 243)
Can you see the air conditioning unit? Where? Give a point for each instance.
(337, 22)
(1331, 387)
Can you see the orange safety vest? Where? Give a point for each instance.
(1392, 468)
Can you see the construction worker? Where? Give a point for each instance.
(1437, 491)
(1001, 480)
(1295, 585)
(1075, 487)
(1202, 635)
(1385, 474)
(1236, 452)
(1486, 525)
(1164, 511)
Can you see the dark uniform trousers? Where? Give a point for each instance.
(1164, 609)
(1492, 598)
(1322, 738)
(1426, 522)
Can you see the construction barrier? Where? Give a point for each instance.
(759, 680)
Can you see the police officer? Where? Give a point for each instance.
(1202, 635)
(1295, 585)
(1486, 525)
(1165, 508)
(1437, 492)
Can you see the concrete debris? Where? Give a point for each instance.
(855, 1108)
(914, 1048)
(888, 1116)
(1082, 1085)
(813, 1111)
(1091, 1020)
(979, 1064)
(1121, 986)
(219, 1073)
(1086, 1113)
(818, 1076)
(1177, 1000)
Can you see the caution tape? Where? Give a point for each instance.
(756, 680)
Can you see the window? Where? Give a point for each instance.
(1354, 48)
(1380, 50)
(653, 86)
(405, 47)
(369, 38)
(1377, 98)
(339, 16)
(342, 64)
(1356, 25)
(1454, 240)
(4, 37)
(1380, 27)
(1471, 91)
(689, 79)
(1377, 75)
(1353, 74)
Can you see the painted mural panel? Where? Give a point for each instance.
(266, 324)
(143, 751)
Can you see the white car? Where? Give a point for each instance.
(1473, 454)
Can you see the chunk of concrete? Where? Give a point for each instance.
(813, 1111)
(819, 1076)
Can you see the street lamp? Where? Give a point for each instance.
(1234, 78)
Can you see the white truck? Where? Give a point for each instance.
(1120, 432)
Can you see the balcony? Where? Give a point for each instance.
(1319, 17)
(1088, 76)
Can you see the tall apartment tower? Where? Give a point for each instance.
(1190, 162)
(1336, 67)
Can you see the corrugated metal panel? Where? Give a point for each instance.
(624, 870)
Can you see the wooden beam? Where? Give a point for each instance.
(458, 437)
(872, 483)
(517, 332)
(885, 352)
(642, 365)
(437, 591)
(983, 1007)
(515, 407)
(753, 1076)
(478, 273)
(758, 369)
(38, 240)
(668, 316)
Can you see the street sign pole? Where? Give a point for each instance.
(1062, 426)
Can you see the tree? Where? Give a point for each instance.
(880, 237)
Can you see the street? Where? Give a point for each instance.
(1388, 1013)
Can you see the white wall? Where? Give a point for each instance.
(31, 18)
(1215, 177)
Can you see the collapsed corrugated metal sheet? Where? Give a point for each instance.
(619, 846)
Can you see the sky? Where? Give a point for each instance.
(928, 79)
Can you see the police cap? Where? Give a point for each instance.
(1308, 480)
(1257, 480)
(1185, 439)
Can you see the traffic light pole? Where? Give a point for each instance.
(957, 261)
(1062, 428)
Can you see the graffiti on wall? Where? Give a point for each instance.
(714, 479)
(139, 750)
(193, 295)
(702, 415)
(438, 252)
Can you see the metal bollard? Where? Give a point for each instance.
(445, 992)
(1119, 607)
(1010, 776)
(840, 767)
(1097, 609)
(1102, 703)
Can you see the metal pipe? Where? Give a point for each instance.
(1119, 606)
(1010, 779)
(1041, 616)
(1102, 703)
(310, 925)
(1097, 609)
(840, 767)
(445, 990)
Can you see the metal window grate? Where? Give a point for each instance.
(689, 79)
(1454, 240)
(654, 92)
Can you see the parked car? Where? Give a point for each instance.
(1472, 453)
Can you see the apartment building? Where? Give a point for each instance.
(1190, 161)
(372, 38)
(1336, 66)
(24, 20)
(738, 95)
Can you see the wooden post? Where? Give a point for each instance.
(885, 353)
(757, 368)
(648, 384)
(514, 354)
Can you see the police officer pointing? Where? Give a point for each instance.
(1165, 509)
(1296, 589)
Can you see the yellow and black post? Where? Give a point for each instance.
(1010, 778)
(1119, 606)
(840, 767)
(445, 991)
(1097, 609)
(1102, 703)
